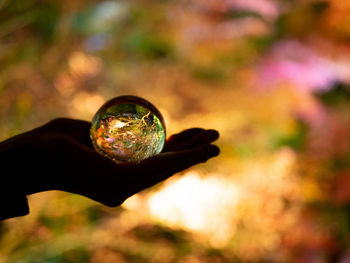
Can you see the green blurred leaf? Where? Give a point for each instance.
(338, 95)
(208, 73)
(243, 14)
(148, 45)
(46, 20)
(296, 140)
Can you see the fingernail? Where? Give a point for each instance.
(213, 151)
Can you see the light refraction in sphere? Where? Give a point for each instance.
(128, 129)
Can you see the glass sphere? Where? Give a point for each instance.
(128, 129)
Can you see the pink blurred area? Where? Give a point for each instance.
(302, 65)
(271, 76)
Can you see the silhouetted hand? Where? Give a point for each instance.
(60, 156)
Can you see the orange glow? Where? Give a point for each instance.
(82, 64)
(86, 103)
(273, 77)
(197, 204)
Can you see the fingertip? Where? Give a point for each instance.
(213, 134)
(212, 150)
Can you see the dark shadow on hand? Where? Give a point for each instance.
(60, 156)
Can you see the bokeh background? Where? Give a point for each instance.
(271, 75)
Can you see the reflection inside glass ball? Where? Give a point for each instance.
(128, 129)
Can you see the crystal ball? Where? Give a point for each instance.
(128, 129)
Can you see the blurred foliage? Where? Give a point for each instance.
(338, 95)
(271, 76)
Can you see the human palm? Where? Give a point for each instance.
(60, 156)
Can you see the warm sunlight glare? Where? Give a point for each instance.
(197, 203)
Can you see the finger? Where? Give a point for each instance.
(163, 165)
(202, 138)
(181, 137)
